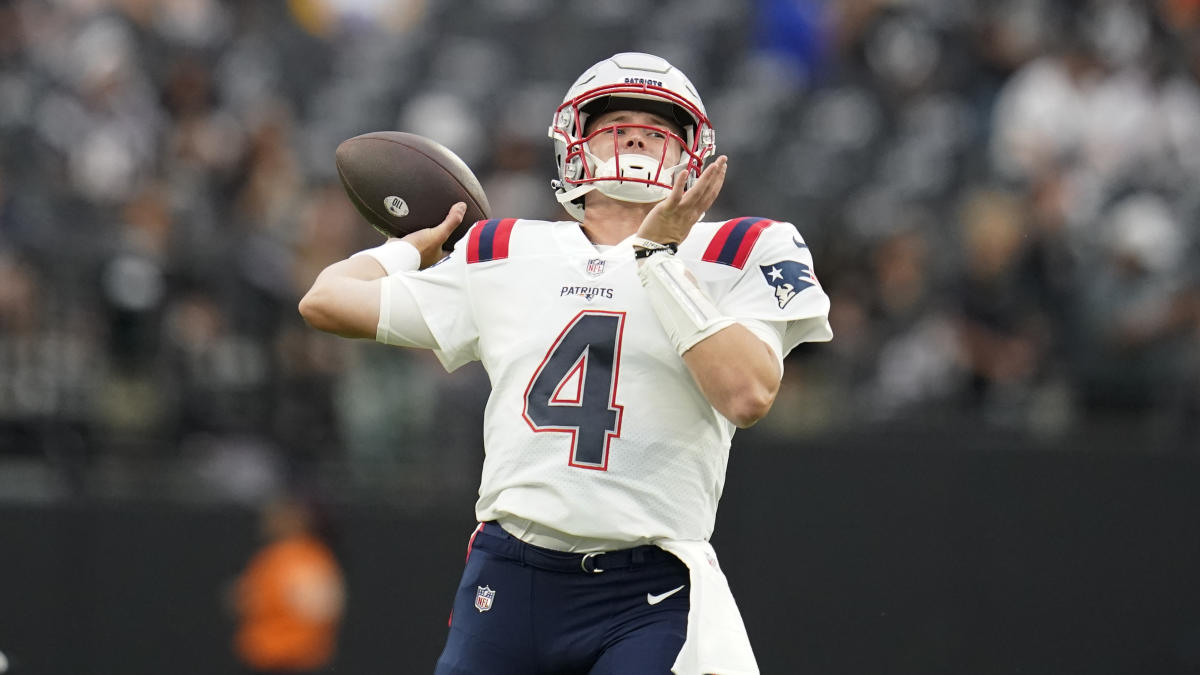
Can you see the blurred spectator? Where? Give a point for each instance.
(916, 355)
(1048, 114)
(1136, 320)
(290, 598)
(328, 18)
(797, 32)
(1003, 328)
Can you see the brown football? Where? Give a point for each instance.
(403, 182)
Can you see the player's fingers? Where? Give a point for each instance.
(429, 240)
(708, 186)
(444, 229)
(713, 174)
(678, 188)
(453, 218)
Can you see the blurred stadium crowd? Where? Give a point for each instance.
(1000, 196)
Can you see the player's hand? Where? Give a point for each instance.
(670, 221)
(429, 240)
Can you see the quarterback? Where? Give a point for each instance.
(623, 351)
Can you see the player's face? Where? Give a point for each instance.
(649, 137)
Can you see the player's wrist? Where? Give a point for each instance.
(644, 248)
(394, 255)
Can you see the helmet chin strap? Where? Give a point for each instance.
(568, 196)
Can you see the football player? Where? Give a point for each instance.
(623, 351)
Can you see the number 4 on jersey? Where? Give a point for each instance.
(574, 389)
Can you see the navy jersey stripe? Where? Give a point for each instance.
(729, 254)
(487, 239)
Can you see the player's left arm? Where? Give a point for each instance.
(737, 372)
(735, 350)
(776, 297)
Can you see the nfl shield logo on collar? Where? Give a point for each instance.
(595, 267)
(483, 598)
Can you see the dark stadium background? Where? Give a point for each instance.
(992, 469)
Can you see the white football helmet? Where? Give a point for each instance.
(627, 81)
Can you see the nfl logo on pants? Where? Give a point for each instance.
(483, 598)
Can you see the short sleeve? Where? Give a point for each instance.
(440, 292)
(778, 285)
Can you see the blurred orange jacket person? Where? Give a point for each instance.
(290, 597)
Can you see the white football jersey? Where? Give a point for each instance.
(594, 426)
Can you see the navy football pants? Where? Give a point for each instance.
(525, 610)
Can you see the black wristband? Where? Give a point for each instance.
(640, 252)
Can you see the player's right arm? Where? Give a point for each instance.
(345, 297)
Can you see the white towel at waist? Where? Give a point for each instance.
(716, 637)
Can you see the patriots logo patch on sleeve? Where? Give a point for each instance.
(788, 278)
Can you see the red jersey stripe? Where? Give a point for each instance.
(500, 244)
(731, 245)
(748, 240)
(713, 252)
(473, 242)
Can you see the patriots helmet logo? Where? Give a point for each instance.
(788, 278)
